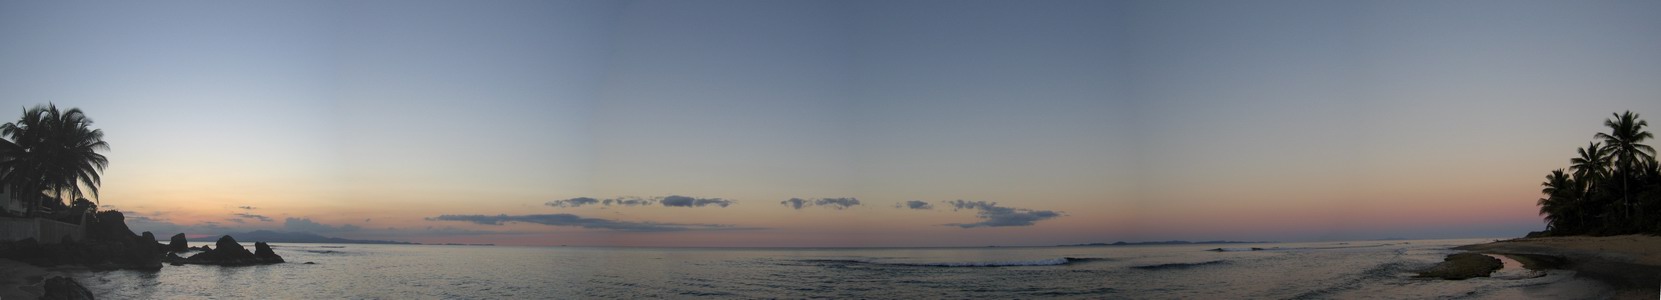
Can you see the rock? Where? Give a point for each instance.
(108, 244)
(263, 253)
(228, 252)
(178, 243)
(226, 243)
(1463, 266)
(60, 287)
(204, 248)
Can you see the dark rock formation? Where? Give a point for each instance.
(62, 288)
(173, 259)
(108, 244)
(178, 243)
(227, 252)
(204, 248)
(1464, 266)
(263, 253)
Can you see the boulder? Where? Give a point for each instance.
(178, 243)
(63, 288)
(263, 253)
(1463, 266)
(227, 252)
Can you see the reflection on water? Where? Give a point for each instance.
(1295, 270)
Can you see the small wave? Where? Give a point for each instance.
(1173, 266)
(1019, 263)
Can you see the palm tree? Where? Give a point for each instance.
(52, 151)
(1626, 133)
(1558, 205)
(1592, 165)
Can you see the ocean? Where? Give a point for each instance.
(1344, 270)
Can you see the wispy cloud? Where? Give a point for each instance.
(245, 207)
(570, 220)
(914, 204)
(666, 201)
(992, 215)
(684, 201)
(575, 202)
(837, 203)
(629, 201)
(796, 203)
(307, 225)
(241, 216)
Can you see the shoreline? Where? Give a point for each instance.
(1630, 264)
(19, 280)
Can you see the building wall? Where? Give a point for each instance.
(42, 230)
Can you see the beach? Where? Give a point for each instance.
(19, 280)
(1631, 264)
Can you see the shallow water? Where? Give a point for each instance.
(1375, 269)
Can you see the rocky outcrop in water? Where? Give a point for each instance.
(263, 253)
(178, 243)
(1463, 266)
(62, 288)
(227, 252)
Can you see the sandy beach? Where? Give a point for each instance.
(20, 280)
(1629, 263)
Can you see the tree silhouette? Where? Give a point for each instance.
(1559, 201)
(1626, 132)
(1613, 187)
(52, 151)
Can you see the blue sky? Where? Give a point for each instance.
(1288, 120)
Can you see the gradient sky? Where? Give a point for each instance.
(1086, 121)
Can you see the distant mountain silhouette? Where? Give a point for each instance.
(1123, 243)
(299, 237)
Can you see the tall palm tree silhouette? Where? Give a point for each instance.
(54, 152)
(1592, 165)
(1626, 133)
(1559, 201)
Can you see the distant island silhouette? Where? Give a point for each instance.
(298, 237)
(1171, 242)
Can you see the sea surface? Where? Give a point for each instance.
(1345, 270)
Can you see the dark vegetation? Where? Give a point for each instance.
(1612, 187)
(51, 155)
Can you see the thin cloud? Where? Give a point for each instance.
(241, 216)
(795, 203)
(992, 215)
(666, 201)
(245, 207)
(307, 225)
(914, 204)
(684, 201)
(629, 201)
(570, 220)
(574, 202)
(837, 203)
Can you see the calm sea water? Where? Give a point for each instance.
(1371, 269)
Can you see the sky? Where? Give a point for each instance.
(834, 123)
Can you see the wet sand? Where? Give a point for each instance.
(1631, 264)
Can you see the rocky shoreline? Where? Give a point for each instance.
(109, 245)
